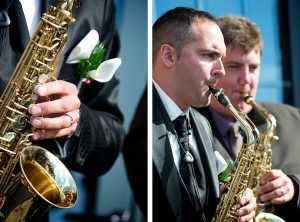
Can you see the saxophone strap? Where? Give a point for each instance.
(186, 165)
(4, 18)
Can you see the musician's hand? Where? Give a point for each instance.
(276, 187)
(248, 206)
(58, 116)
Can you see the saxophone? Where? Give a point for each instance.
(263, 162)
(240, 173)
(31, 178)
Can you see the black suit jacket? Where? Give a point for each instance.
(169, 196)
(102, 133)
(285, 151)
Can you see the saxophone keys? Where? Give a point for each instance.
(43, 78)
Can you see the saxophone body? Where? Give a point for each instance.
(263, 162)
(31, 178)
(227, 209)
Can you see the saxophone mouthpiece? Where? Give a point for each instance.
(214, 91)
(220, 96)
(247, 98)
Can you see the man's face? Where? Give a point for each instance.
(199, 66)
(242, 76)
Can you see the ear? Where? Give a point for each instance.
(168, 55)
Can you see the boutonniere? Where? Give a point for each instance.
(223, 167)
(89, 55)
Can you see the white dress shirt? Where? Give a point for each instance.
(174, 111)
(32, 11)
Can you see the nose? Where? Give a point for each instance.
(219, 70)
(244, 77)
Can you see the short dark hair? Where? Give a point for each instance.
(241, 32)
(174, 28)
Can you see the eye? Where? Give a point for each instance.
(232, 67)
(210, 56)
(252, 68)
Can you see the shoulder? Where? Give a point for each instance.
(203, 121)
(281, 109)
(199, 116)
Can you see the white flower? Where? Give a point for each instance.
(105, 70)
(84, 48)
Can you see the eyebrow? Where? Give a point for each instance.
(215, 51)
(240, 63)
(234, 63)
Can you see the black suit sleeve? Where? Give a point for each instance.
(101, 123)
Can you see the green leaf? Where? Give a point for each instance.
(225, 175)
(92, 63)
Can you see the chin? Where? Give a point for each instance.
(202, 103)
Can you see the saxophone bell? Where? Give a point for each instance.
(42, 182)
(32, 179)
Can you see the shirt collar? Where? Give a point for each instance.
(172, 109)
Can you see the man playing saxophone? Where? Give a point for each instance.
(244, 46)
(188, 48)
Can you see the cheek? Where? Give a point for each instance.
(254, 81)
(226, 83)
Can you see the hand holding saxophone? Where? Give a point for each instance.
(276, 187)
(247, 203)
(248, 206)
(58, 116)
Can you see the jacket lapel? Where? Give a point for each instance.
(200, 124)
(163, 157)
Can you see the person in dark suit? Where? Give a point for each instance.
(188, 49)
(242, 66)
(90, 137)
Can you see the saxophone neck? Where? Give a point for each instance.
(265, 114)
(249, 128)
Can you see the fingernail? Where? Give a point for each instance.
(35, 110)
(36, 122)
(41, 90)
(36, 135)
(240, 212)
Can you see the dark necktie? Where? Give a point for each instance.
(186, 167)
(235, 138)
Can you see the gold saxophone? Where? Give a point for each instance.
(263, 162)
(31, 178)
(227, 209)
